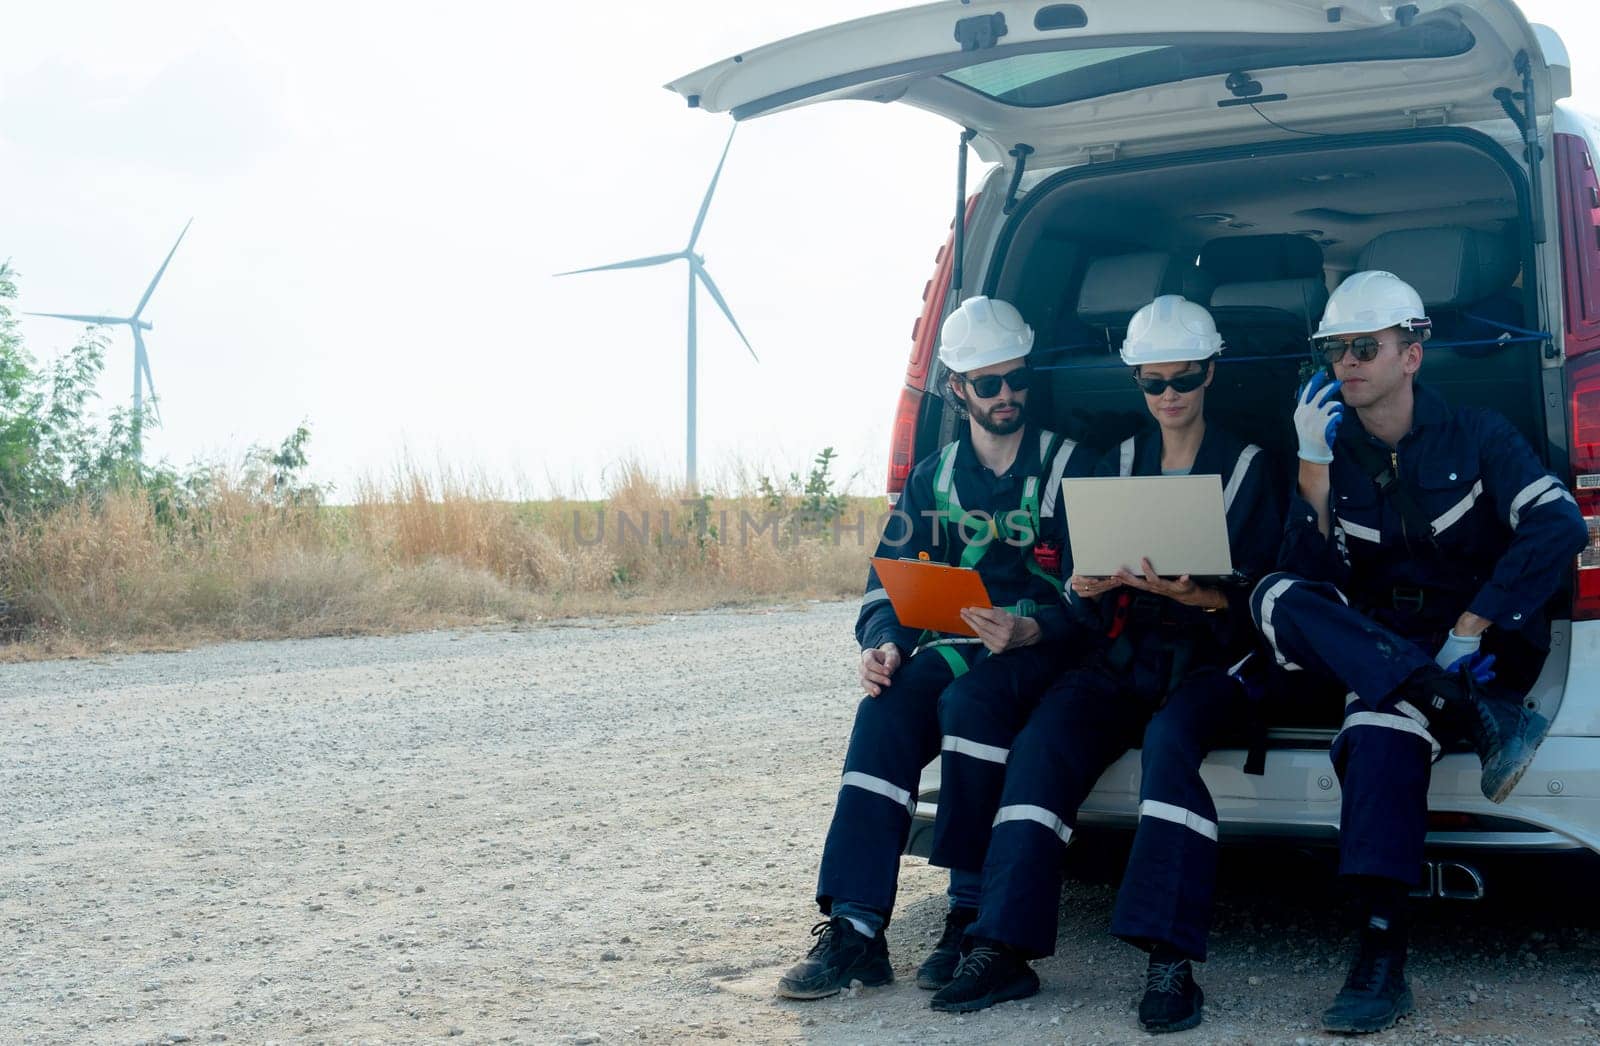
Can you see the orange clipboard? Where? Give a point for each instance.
(931, 595)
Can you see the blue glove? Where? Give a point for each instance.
(1316, 417)
(1479, 666)
(1455, 648)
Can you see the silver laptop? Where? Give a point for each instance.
(1177, 522)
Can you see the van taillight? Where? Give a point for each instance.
(903, 442)
(924, 336)
(1578, 218)
(1583, 378)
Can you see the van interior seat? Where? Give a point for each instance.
(1457, 271)
(1116, 287)
(1270, 290)
(1254, 259)
(1272, 318)
(1464, 276)
(1270, 295)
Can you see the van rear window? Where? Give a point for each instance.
(1058, 76)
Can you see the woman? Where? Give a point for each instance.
(1159, 682)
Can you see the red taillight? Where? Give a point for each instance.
(1583, 380)
(924, 336)
(903, 441)
(1578, 218)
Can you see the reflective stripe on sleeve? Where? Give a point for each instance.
(878, 786)
(1036, 814)
(874, 595)
(1178, 815)
(1459, 509)
(1556, 493)
(976, 749)
(1525, 498)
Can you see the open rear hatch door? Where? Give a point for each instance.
(1073, 80)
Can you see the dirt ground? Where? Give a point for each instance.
(592, 832)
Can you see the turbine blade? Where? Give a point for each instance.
(150, 383)
(716, 296)
(705, 204)
(137, 309)
(634, 263)
(141, 371)
(97, 320)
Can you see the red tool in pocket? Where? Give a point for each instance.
(1048, 555)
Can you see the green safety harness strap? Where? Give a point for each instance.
(957, 520)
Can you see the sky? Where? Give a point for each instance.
(382, 194)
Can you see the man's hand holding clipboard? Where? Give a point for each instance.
(951, 600)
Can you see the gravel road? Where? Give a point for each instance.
(590, 832)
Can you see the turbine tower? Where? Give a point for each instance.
(697, 274)
(141, 359)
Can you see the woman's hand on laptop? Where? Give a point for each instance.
(1001, 630)
(1093, 587)
(1181, 590)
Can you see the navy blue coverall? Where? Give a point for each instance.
(929, 710)
(1370, 605)
(1150, 650)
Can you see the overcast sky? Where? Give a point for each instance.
(382, 192)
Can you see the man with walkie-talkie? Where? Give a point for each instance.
(1418, 557)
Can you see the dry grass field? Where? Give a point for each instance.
(414, 550)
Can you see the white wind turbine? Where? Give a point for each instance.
(697, 273)
(141, 359)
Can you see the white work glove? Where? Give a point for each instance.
(1316, 418)
(1455, 648)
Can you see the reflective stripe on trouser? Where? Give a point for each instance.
(1383, 772)
(1384, 751)
(1083, 723)
(1311, 625)
(896, 734)
(1172, 869)
(979, 716)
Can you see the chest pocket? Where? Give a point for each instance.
(1449, 493)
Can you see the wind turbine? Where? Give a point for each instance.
(135, 323)
(697, 273)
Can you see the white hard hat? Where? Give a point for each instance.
(983, 332)
(1171, 329)
(1371, 301)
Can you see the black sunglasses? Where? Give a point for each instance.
(1332, 350)
(988, 386)
(1182, 383)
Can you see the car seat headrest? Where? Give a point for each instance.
(1116, 287)
(1450, 266)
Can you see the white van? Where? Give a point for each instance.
(1249, 154)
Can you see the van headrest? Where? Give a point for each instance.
(1293, 303)
(1115, 288)
(1255, 259)
(1450, 266)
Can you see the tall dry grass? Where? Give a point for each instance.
(416, 549)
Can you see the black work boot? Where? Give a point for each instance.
(1504, 733)
(988, 973)
(841, 956)
(1172, 999)
(940, 966)
(1375, 995)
